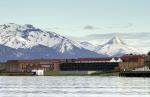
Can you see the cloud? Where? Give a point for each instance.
(55, 28)
(129, 25)
(112, 26)
(89, 27)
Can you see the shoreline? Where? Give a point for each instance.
(105, 73)
(57, 73)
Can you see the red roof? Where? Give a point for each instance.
(94, 59)
(132, 58)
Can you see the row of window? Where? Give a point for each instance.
(88, 66)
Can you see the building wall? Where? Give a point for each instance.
(129, 65)
(101, 66)
(28, 66)
(147, 60)
(81, 64)
(132, 62)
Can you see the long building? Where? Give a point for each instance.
(80, 64)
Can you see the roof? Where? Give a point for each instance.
(94, 59)
(132, 58)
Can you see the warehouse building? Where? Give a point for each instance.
(93, 66)
(29, 65)
(81, 64)
(132, 62)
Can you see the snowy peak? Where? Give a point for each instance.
(29, 26)
(27, 36)
(9, 27)
(116, 40)
(116, 47)
(16, 26)
(15, 36)
(66, 45)
(88, 45)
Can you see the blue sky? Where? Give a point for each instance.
(79, 17)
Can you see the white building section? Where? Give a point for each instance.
(38, 72)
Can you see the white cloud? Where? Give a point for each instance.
(129, 25)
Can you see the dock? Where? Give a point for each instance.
(135, 73)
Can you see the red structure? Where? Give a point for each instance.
(94, 59)
(131, 62)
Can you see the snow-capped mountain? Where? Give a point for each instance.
(88, 45)
(8, 53)
(138, 40)
(116, 47)
(27, 36)
(29, 42)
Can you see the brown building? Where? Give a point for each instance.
(132, 62)
(147, 61)
(29, 65)
(89, 64)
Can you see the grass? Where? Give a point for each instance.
(15, 74)
(98, 73)
(57, 73)
(106, 73)
(51, 73)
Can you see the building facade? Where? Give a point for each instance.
(29, 65)
(147, 61)
(81, 64)
(132, 62)
(90, 66)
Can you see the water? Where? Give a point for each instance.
(67, 86)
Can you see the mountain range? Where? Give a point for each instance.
(29, 42)
(138, 40)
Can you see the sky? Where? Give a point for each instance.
(79, 17)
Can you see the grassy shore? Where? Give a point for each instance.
(15, 74)
(57, 73)
(102, 73)
(106, 73)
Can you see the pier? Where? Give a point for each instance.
(135, 73)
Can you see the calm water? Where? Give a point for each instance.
(74, 87)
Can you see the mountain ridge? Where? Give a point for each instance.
(29, 42)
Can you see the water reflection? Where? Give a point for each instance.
(67, 86)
